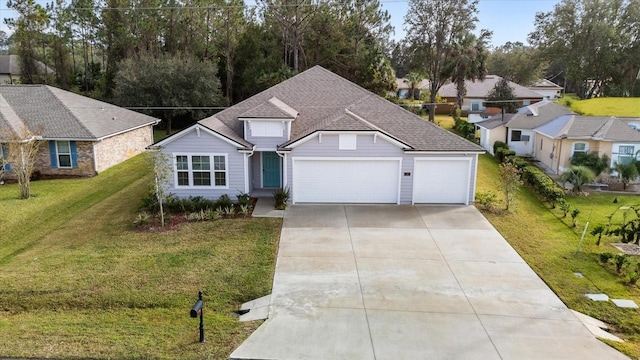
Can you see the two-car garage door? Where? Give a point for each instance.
(443, 180)
(348, 180)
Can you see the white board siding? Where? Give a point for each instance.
(265, 142)
(347, 180)
(443, 180)
(206, 143)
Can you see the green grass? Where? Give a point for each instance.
(605, 106)
(77, 281)
(548, 243)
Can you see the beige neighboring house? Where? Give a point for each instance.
(547, 88)
(560, 139)
(404, 90)
(80, 136)
(477, 93)
(10, 69)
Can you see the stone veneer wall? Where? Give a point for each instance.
(116, 149)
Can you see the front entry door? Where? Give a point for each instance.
(270, 169)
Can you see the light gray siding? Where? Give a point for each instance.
(191, 143)
(261, 142)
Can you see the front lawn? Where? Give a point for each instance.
(548, 243)
(78, 281)
(604, 106)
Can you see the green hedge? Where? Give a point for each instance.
(502, 154)
(499, 145)
(543, 185)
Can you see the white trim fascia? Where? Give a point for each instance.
(458, 153)
(357, 132)
(266, 149)
(250, 119)
(188, 130)
(459, 158)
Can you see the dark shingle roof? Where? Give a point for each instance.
(495, 121)
(59, 114)
(482, 88)
(326, 101)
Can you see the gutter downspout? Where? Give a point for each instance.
(246, 168)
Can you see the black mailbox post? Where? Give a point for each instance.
(197, 310)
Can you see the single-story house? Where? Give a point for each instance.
(403, 88)
(326, 140)
(478, 92)
(517, 130)
(80, 136)
(10, 69)
(547, 88)
(560, 139)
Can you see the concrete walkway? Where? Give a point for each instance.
(405, 282)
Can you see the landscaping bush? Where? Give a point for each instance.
(223, 202)
(499, 145)
(487, 200)
(503, 154)
(543, 185)
(281, 197)
(518, 162)
(605, 257)
(591, 160)
(244, 199)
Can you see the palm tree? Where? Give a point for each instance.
(468, 62)
(627, 173)
(577, 176)
(413, 79)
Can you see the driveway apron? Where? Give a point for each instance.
(409, 282)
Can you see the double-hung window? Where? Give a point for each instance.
(63, 152)
(201, 170)
(580, 147)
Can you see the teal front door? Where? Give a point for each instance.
(270, 169)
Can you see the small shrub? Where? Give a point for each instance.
(244, 199)
(213, 215)
(229, 211)
(487, 200)
(598, 230)
(281, 197)
(564, 207)
(499, 145)
(219, 213)
(244, 210)
(223, 202)
(200, 215)
(620, 260)
(142, 219)
(518, 162)
(574, 216)
(503, 154)
(605, 257)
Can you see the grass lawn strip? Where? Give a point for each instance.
(89, 285)
(548, 244)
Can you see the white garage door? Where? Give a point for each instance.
(441, 181)
(352, 180)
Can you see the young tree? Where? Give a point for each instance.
(510, 182)
(504, 97)
(577, 176)
(160, 163)
(627, 173)
(433, 29)
(21, 154)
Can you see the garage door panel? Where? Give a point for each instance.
(346, 181)
(441, 181)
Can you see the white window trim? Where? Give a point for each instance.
(573, 147)
(58, 153)
(190, 171)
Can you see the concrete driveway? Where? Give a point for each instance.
(409, 282)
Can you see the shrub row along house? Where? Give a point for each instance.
(79, 136)
(552, 134)
(326, 140)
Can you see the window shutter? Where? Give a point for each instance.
(53, 154)
(74, 154)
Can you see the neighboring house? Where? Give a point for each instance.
(404, 89)
(477, 93)
(10, 69)
(81, 136)
(327, 140)
(547, 88)
(560, 139)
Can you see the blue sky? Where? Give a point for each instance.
(510, 20)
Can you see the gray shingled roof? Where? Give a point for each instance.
(482, 88)
(545, 84)
(534, 115)
(495, 121)
(324, 100)
(10, 64)
(592, 127)
(59, 114)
